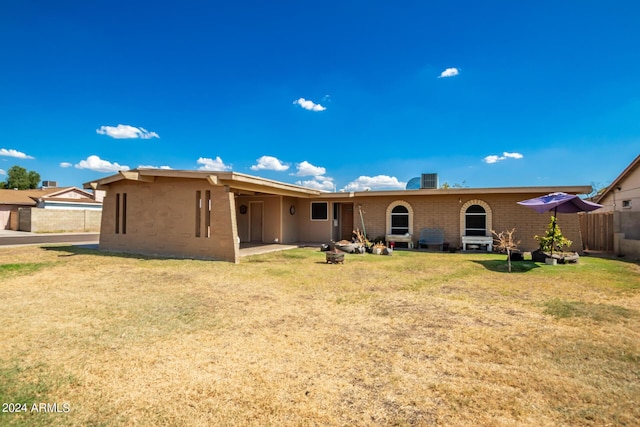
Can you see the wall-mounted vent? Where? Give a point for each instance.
(429, 180)
(49, 184)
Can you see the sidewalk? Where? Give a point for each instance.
(13, 233)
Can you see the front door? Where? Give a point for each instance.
(256, 220)
(346, 220)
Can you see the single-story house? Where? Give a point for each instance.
(622, 198)
(12, 202)
(207, 215)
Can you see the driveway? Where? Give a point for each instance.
(10, 237)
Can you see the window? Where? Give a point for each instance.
(626, 204)
(400, 220)
(203, 206)
(121, 213)
(198, 212)
(124, 213)
(475, 221)
(319, 211)
(117, 219)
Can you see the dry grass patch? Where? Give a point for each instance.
(286, 339)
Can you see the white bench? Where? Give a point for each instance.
(477, 240)
(402, 238)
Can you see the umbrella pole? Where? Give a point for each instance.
(553, 229)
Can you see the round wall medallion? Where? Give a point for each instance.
(292, 210)
(243, 209)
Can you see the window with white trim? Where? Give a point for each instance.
(475, 221)
(319, 211)
(399, 220)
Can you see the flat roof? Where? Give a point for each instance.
(253, 184)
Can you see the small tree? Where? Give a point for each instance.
(553, 238)
(506, 242)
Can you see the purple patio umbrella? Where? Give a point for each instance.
(559, 202)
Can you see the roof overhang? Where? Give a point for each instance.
(250, 185)
(233, 181)
(571, 189)
(616, 183)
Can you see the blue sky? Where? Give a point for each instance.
(336, 95)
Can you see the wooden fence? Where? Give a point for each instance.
(597, 231)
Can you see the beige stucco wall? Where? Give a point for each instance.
(313, 231)
(290, 232)
(273, 219)
(161, 220)
(629, 248)
(38, 220)
(5, 215)
(629, 190)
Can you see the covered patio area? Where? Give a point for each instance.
(249, 249)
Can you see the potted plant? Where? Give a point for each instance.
(553, 240)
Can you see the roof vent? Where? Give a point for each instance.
(413, 184)
(429, 180)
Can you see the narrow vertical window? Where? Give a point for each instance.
(207, 219)
(117, 213)
(124, 213)
(198, 212)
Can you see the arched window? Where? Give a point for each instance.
(476, 218)
(399, 218)
(475, 221)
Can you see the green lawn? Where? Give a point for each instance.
(284, 339)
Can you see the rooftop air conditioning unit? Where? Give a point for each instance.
(429, 180)
(49, 184)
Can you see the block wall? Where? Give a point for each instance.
(161, 218)
(445, 212)
(38, 220)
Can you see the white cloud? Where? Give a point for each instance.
(126, 132)
(14, 153)
(379, 182)
(95, 163)
(65, 165)
(449, 72)
(212, 164)
(319, 183)
(269, 163)
(307, 169)
(309, 105)
(154, 167)
(3, 172)
(506, 155)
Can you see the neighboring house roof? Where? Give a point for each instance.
(251, 184)
(625, 173)
(31, 197)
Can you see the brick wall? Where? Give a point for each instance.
(59, 220)
(447, 212)
(161, 219)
